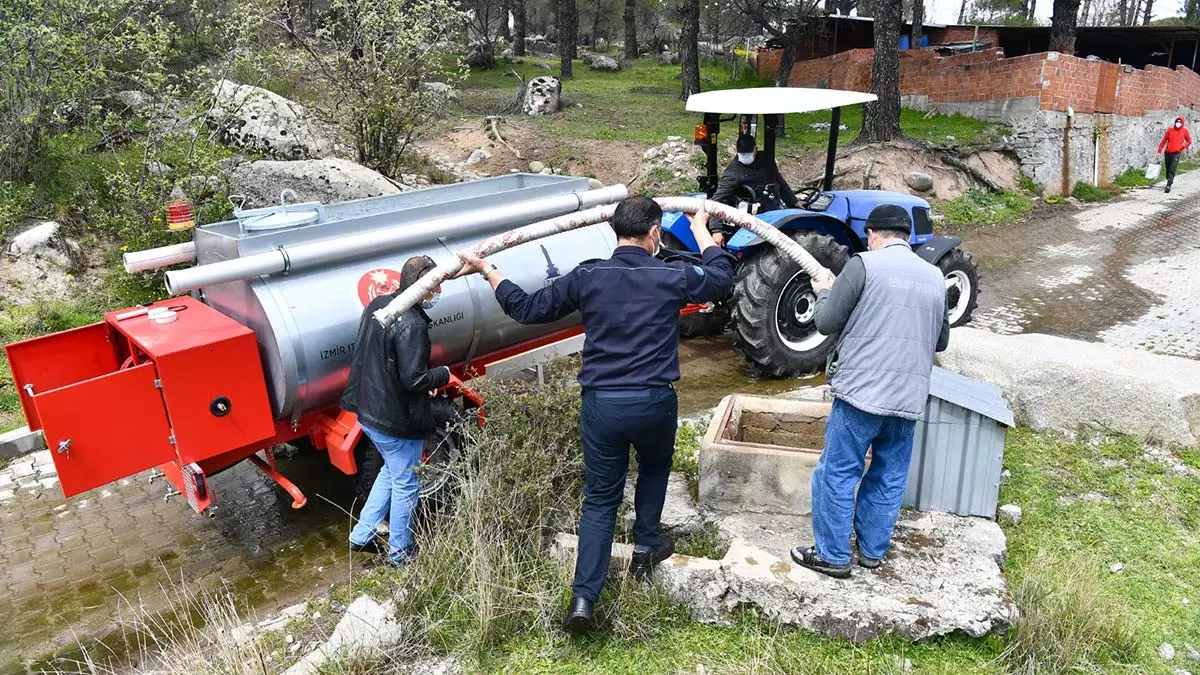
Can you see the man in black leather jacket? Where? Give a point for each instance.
(751, 169)
(391, 388)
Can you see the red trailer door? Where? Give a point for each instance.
(106, 428)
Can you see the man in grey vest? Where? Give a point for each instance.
(889, 307)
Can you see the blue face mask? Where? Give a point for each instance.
(746, 158)
(430, 302)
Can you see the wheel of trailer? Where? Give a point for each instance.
(442, 449)
(962, 285)
(702, 324)
(774, 307)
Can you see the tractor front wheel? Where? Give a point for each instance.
(774, 308)
(962, 285)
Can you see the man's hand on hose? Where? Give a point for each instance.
(699, 226)
(472, 264)
(822, 283)
(719, 238)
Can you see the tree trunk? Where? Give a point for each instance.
(518, 27)
(962, 12)
(1062, 26)
(689, 49)
(787, 59)
(1190, 11)
(597, 9)
(866, 8)
(573, 15)
(505, 12)
(631, 43)
(844, 7)
(563, 21)
(1149, 6)
(881, 119)
(1032, 10)
(1122, 13)
(715, 22)
(918, 21)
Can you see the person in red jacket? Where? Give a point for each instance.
(1175, 141)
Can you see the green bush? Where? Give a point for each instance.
(986, 208)
(1030, 185)
(1086, 192)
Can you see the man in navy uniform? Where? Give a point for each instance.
(630, 305)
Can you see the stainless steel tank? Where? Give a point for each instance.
(306, 321)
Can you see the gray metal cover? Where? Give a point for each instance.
(958, 448)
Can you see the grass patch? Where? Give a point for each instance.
(980, 207)
(641, 103)
(1132, 178)
(1029, 185)
(1086, 192)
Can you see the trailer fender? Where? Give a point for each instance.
(935, 249)
(338, 436)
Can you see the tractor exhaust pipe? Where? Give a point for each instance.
(316, 254)
(386, 316)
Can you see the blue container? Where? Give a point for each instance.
(904, 42)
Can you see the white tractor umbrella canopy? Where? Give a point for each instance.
(774, 100)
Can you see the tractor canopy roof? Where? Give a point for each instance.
(773, 100)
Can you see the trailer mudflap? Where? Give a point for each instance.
(78, 421)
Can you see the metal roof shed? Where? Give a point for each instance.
(958, 447)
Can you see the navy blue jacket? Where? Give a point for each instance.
(630, 305)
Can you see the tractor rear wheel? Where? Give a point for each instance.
(774, 307)
(443, 447)
(962, 285)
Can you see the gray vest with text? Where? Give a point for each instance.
(884, 356)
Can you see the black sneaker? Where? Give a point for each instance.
(579, 618)
(808, 557)
(864, 561)
(1168, 190)
(372, 547)
(642, 564)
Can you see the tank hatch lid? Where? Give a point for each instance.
(774, 100)
(280, 216)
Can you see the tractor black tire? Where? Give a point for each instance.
(960, 269)
(762, 283)
(443, 448)
(703, 324)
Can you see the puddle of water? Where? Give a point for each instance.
(711, 369)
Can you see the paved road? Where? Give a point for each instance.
(1124, 273)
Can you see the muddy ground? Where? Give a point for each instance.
(1123, 272)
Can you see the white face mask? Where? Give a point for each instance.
(746, 157)
(1179, 125)
(658, 243)
(430, 302)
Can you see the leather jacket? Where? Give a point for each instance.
(763, 176)
(390, 377)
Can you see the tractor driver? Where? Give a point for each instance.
(759, 174)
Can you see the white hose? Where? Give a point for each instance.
(572, 221)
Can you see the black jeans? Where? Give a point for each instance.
(1172, 162)
(611, 421)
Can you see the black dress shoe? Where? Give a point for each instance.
(579, 616)
(642, 564)
(372, 546)
(807, 557)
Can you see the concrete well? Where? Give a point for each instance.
(759, 454)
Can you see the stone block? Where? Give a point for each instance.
(19, 442)
(757, 469)
(1053, 383)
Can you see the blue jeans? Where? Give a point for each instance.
(611, 421)
(848, 433)
(393, 495)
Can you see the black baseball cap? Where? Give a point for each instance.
(889, 217)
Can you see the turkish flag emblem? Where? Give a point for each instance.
(376, 283)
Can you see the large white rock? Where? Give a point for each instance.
(1053, 383)
(366, 626)
(605, 63)
(253, 118)
(942, 576)
(314, 180)
(44, 241)
(542, 96)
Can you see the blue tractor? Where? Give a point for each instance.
(772, 304)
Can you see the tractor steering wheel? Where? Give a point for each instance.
(805, 196)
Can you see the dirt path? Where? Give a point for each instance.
(1123, 272)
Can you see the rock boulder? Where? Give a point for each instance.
(921, 182)
(314, 180)
(605, 63)
(255, 119)
(45, 242)
(1053, 383)
(542, 96)
(367, 626)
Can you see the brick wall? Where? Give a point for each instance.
(1056, 80)
(962, 34)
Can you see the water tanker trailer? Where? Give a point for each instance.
(257, 351)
